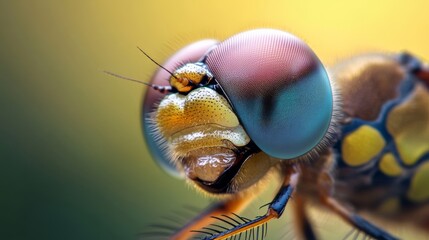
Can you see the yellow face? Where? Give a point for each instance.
(206, 141)
(189, 76)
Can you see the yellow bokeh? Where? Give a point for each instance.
(73, 161)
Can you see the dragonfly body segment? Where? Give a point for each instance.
(383, 152)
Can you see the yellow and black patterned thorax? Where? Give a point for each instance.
(383, 154)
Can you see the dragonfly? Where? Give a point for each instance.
(258, 108)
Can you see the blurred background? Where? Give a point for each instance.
(73, 163)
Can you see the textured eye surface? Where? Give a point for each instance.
(278, 88)
(190, 53)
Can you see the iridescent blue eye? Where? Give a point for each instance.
(278, 88)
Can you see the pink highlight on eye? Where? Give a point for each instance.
(260, 60)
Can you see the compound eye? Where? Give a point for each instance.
(190, 53)
(278, 88)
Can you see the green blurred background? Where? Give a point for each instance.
(73, 163)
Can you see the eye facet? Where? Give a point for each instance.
(278, 88)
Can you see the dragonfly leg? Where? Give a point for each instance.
(275, 210)
(303, 226)
(205, 218)
(356, 220)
